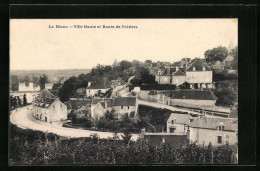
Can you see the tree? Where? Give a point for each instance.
(216, 54)
(14, 83)
(56, 86)
(24, 100)
(42, 81)
(148, 61)
(234, 53)
(226, 97)
(143, 76)
(185, 85)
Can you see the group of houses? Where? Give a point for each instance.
(49, 108)
(204, 130)
(197, 72)
(99, 107)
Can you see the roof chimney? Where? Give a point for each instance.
(89, 84)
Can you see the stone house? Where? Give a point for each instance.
(124, 105)
(49, 108)
(96, 87)
(199, 73)
(178, 77)
(217, 131)
(100, 106)
(178, 122)
(78, 105)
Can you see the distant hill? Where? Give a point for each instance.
(53, 75)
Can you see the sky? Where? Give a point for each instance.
(36, 44)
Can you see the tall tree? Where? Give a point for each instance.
(234, 53)
(14, 83)
(42, 81)
(216, 54)
(24, 100)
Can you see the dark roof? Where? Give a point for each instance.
(179, 73)
(194, 94)
(43, 104)
(75, 104)
(198, 64)
(97, 100)
(99, 84)
(46, 94)
(158, 87)
(124, 101)
(213, 123)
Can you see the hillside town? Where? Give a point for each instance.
(182, 98)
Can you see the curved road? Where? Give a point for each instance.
(22, 117)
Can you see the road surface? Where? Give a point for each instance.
(22, 117)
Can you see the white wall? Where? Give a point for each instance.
(199, 76)
(208, 135)
(92, 92)
(29, 96)
(125, 109)
(22, 87)
(179, 127)
(193, 103)
(56, 113)
(178, 80)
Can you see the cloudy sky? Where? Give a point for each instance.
(33, 45)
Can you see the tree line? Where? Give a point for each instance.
(123, 69)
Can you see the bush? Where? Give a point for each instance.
(226, 97)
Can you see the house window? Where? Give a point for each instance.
(122, 107)
(89, 91)
(220, 128)
(46, 119)
(172, 121)
(127, 107)
(220, 139)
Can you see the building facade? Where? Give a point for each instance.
(124, 105)
(49, 110)
(178, 122)
(96, 87)
(217, 131)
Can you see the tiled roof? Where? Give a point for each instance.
(97, 100)
(75, 104)
(124, 101)
(179, 73)
(47, 94)
(198, 64)
(212, 123)
(43, 104)
(99, 84)
(194, 94)
(180, 118)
